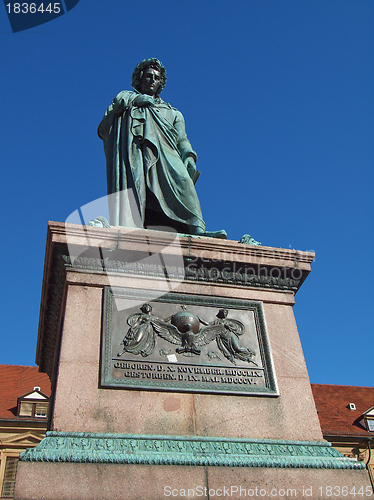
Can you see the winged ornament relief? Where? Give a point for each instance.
(187, 331)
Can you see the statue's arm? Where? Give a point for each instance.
(184, 145)
(120, 103)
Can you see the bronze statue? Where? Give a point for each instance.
(151, 166)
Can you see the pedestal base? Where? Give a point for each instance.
(67, 481)
(113, 466)
(143, 416)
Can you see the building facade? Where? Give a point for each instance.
(24, 401)
(346, 415)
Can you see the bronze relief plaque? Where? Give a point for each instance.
(183, 342)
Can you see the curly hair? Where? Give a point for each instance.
(141, 67)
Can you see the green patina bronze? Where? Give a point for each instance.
(84, 447)
(229, 353)
(150, 162)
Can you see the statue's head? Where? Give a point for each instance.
(222, 313)
(146, 308)
(144, 65)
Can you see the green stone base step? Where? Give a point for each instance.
(84, 447)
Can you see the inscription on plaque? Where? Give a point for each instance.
(185, 343)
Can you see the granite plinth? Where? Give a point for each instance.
(80, 263)
(70, 481)
(70, 335)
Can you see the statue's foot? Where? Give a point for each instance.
(248, 240)
(198, 231)
(99, 221)
(216, 234)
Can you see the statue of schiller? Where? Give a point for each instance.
(151, 166)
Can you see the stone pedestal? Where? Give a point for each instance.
(116, 432)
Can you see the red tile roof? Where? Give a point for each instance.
(17, 380)
(335, 417)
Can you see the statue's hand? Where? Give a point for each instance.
(143, 100)
(189, 163)
(118, 106)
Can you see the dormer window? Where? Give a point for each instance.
(34, 404)
(32, 410)
(368, 419)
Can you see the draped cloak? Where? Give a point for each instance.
(145, 149)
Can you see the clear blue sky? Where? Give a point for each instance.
(278, 102)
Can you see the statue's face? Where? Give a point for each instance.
(151, 82)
